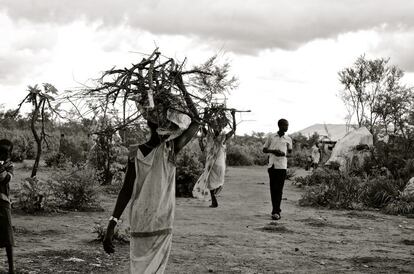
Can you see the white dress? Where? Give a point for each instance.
(316, 156)
(152, 209)
(212, 177)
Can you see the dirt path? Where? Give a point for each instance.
(237, 237)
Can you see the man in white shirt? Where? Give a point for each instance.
(279, 146)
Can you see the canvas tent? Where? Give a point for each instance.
(346, 152)
(409, 189)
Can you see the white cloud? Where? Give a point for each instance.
(398, 47)
(243, 26)
(285, 53)
(22, 50)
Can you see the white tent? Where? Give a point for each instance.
(409, 189)
(344, 151)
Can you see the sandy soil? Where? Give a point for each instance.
(237, 237)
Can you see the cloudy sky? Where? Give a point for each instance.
(286, 53)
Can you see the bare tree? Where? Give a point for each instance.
(42, 108)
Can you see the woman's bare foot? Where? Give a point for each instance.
(214, 202)
(214, 205)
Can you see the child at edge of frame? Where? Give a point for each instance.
(6, 174)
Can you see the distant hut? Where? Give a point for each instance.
(329, 135)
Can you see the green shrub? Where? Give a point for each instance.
(189, 169)
(105, 156)
(249, 147)
(401, 205)
(117, 179)
(23, 144)
(391, 156)
(23, 148)
(72, 149)
(315, 196)
(337, 191)
(256, 153)
(36, 195)
(408, 171)
(56, 160)
(334, 165)
(318, 177)
(300, 181)
(379, 191)
(329, 188)
(238, 156)
(76, 188)
(290, 173)
(298, 159)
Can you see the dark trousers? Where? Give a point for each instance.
(277, 181)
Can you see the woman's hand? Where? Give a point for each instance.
(107, 241)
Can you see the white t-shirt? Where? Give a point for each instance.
(284, 143)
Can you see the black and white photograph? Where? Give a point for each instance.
(221, 136)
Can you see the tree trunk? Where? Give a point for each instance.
(107, 172)
(38, 142)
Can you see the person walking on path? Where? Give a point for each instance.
(212, 179)
(149, 186)
(278, 146)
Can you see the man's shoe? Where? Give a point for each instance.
(276, 217)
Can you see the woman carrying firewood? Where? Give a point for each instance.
(212, 179)
(149, 186)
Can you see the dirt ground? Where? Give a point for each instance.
(237, 237)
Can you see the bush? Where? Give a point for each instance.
(23, 144)
(56, 160)
(377, 192)
(23, 148)
(333, 191)
(107, 158)
(188, 171)
(290, 173)
(329, 188)
(72, 149)
(319, 177)
(36, 195)
(298, 159)
(392, 156)
(76, 189)
(117, 181)
(249, 147)
(256, 152)
(401, 205)
(315, 196)
(238, 156)
(408, 171)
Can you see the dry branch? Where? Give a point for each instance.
(157, 84)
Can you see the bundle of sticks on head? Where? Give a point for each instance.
(216, 117)
(157, 87)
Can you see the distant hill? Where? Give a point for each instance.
(336, 131)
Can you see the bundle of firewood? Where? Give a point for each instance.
(158, 85)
